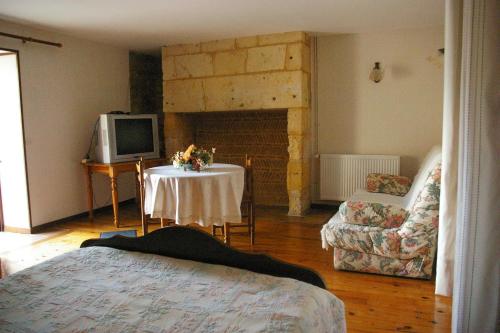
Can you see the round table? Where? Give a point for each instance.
(209, 197)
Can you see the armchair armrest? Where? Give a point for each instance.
(372, 214)
(390, 184)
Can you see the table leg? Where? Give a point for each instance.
(90, 192)
(114, 197)
(227, 237)
(137, 190)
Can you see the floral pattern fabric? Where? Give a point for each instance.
(428, 198)
(352, 237)
(407, 250)
(420, 267)
(372, 214)
(101, 289)
(390, 184)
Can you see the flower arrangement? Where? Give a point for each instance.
(193, 158)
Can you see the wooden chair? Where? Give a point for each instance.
(142, 193)
(247, 203)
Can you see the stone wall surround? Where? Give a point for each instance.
(255, 73)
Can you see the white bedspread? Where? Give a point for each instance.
(101, 289)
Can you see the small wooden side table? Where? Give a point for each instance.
(112, 170)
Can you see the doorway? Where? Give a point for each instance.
(14, 198)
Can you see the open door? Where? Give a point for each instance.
(1, 210)
(14, 199)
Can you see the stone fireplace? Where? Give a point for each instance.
(253, 81)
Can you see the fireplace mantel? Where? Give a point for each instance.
(264, 72)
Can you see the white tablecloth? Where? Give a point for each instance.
(212, 196)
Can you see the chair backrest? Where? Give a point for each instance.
(248, 190)
(424, 213)
(139, 167)
(428, 197)
(430, 161)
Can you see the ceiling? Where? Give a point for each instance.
(149, 24)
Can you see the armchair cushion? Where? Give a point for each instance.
(365, 239)
(372, 214)
(390, 184)
(351, 236)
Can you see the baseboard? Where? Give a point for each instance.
(41, 227)
(325, 205)
(17, 230)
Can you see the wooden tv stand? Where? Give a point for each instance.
(112, 170)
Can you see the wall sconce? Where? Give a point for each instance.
(376, 73)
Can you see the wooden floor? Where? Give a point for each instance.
(373, 303)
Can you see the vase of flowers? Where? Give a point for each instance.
(193, 158)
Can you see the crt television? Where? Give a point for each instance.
(127, 137)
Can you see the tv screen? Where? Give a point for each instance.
(134, 136)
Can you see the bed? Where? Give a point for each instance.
(164, 282)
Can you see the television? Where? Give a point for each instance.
(124, 137)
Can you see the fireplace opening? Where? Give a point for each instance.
(260, 134)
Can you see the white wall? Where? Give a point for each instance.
(63, 92)
(401, 115)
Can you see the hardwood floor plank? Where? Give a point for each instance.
(374, 303)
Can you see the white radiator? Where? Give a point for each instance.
(342, 175)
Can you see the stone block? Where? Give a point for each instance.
(168, 67)
(286, 37)
(244, 42)
(172, 145)
(218, 45)
(299, 121)
(180, 49)
(278, 90)
(307, 153)
(299, 147)
(306, 90)
(305, 201)
(183, 96)
(299, 202)
(266, 58)
(230, 62)
(295, 147)
(170, 123)
(298, 174)
(298, 57)
(193, 65)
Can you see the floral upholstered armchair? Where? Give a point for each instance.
(389, 228)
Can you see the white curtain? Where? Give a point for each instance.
(451, 113)
(476, 288)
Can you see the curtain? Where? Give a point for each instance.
(451, 113)
(476, 291)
